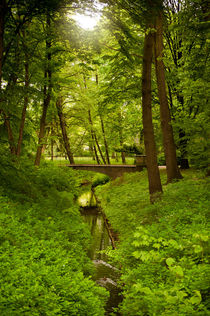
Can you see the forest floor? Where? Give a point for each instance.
(162, 250)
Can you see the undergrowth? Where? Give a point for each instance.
(44, 268)
(163, 250)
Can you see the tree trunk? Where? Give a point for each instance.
(3, 10)
(172, 169)
(105, 141)
(52, 142)
(155, 187)
(121, 140)
(47, 96)
(52, 149)
(183, 140)
(42, 125)
(64, 133)
(99, 148)
(92, 150)
(23, 116)
(93, 137)
(104, 137)
(122, 154)
(10, 135)
(184, 163)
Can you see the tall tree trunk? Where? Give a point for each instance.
(3, 10)
(121, 139)
(52, 143)
(64, 133)
(47, 96)
(11, 83)
(92, 150)
(52, 149)
(93, 137)
(104, 136)
(23, 116)
(172, 169)
(155, 187)
(183, 140)
(122, 152)
(10, 135)
(42, 125)
(99, 148)
(105, 141)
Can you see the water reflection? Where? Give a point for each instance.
(87, 199)
(106, 275)
(100, 236)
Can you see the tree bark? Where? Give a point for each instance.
(172, 169)
(155, 187)
(64, 133)
(93, 137)
(23, 116)
(99, 148)
(52, 142)
(42, 124)
(122, 152)
(105, 141)
(183, 140)
(10, 135)
(104, 136)
(47, 96)
(121, 139)
(3, 10)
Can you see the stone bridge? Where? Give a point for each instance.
(113, 171)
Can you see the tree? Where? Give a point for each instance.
(64, 132)
(135, 11)
(186, 56)
(149, 140)
(167, 131)
(46, 92)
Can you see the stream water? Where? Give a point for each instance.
(106, 275)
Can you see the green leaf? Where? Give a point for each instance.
(156, 245)
(170, 261)
(204, 237)
(136, 243)
(198, 248)
(179, 271)
(136, 254)
(196, 299)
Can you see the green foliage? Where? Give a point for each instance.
(130, 149)
(44, 268)
(100, 179)
(164, 248)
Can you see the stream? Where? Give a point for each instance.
(106, 275)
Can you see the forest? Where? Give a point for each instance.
(104, 82)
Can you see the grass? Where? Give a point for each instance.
(89, 160)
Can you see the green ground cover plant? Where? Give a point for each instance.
(163, 250)
(44, 268)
